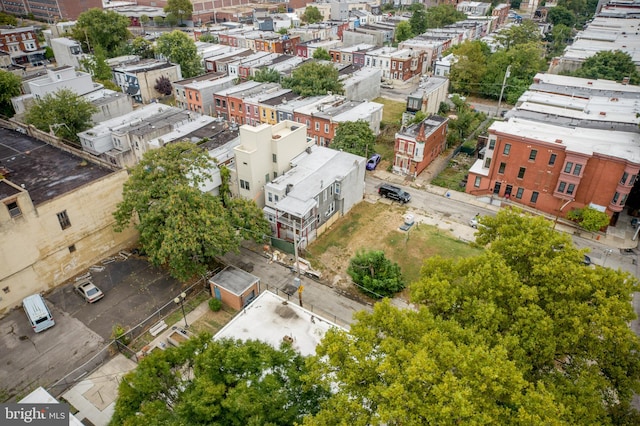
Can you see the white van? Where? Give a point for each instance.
(37, 312)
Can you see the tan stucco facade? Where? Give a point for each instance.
(36, 254)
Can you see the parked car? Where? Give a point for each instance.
(586, 260)
(373, 162)
(394, 193)
(387, 85)
(89, 291)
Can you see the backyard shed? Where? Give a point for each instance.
(235, 287)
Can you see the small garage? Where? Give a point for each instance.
(235, 287)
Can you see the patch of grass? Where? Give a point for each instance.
(454, 174)
(409, 249)
(342, 228)
(392, 111)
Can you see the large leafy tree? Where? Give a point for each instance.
(406, 367)
(221, 382)
(355, 137)
(403, 31)
(418, 20)
(564, 325)
(525, 61)
(106, 29)
(515, 35)
(589, 219)
(62, 112)
(443, 15)
(97, 65)
(313, 78)
(321, 54)
(141, 47)
(561, 15)
(470, 66)
(558, 37)
(311, 15)
(374, 274)
(610, 66)
(180, 8)
(266, 75)
(180, 49)
(180, 226)
(9, 88)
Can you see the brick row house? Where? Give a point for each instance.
(548, 167)
(22, 45)
(260, 41)
(419, 144)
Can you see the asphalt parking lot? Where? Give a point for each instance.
(133, 290)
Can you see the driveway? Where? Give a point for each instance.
(133, 290)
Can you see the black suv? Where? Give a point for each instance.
(394, 193)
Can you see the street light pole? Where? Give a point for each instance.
(607, 253)
(560, 211)
(180, 300)
(507, 73)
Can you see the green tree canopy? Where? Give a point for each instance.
(355, 137)
(208, 38)
(180, 49)
(470, 66)
(443, 15)
(313, 78)
(311, 15)
(9, 88)
(106, 29)
(610, 66)
(418, 20)
(7, 19)
(561, 15)
(558, 37)
(97, 66)
(406, 367)
(266, 75)
(180, 226)
(232, 383)
(515, 35)
(589, 218)
(180, 8)
(141, 47)
(374, 274)
(403, 31)
(564, 325)
(321, 54)
(62, 112)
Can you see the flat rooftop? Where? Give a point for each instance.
(234, 280)
(269, 318)
(42, 169)
(623, 145)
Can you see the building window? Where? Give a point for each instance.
(244, 184)
(14, 209)
(624, 199)
(266, 178)
(317, 126)
(632, 180)
(476, 183)
(562, 186)
(519, 193)
(63, 218)
(487, 162)
(275, 197)
(615, 198)
(624, 177)
(552, 159)
(270, 196)
(492, 144)
(72, 248)
(326, 128)
(571, 188)
(274, 158)
(502, 167)
(534, 196)
(308, 123)
(521, 172)
(533, 154)
(507, 149)
(577, 169)
(568, 167)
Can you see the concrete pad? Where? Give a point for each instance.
(95, 397)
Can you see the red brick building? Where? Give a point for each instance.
(419, 144)
(556, 169)
(22, 45)
(48, 10)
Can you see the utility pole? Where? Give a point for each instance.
(507, 73)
